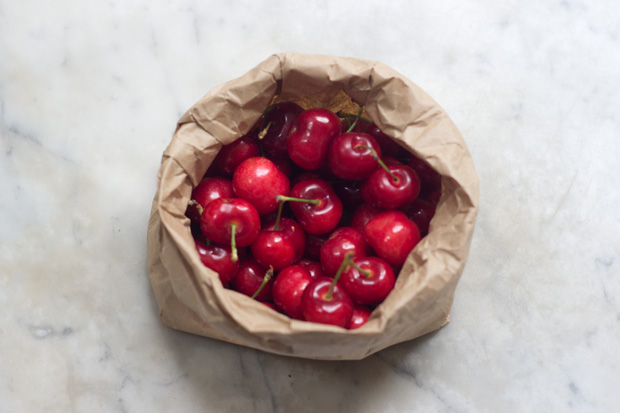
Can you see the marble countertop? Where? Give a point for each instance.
(89, 97)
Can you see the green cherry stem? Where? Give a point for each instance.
(280, 206)
(381, 163)
(342, 114)
(345, 263)
(266, 279)
(357, 118)
(198, 206)
(363, 271)
(233, 244)
(282, 198)
(262, 133)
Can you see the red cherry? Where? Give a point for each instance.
(217, 258)
(392, 236)
(310, 137)
(430, 180)
(288, 289)
(276, 126)
(279, 247)
(389, 147)
(352, 155)
(230, 220)
(347, 241)
(349, 193)
(231, 155)
(206, 191)
(313, 267)
(258, 180)
(421, 212)
(368, 280)
(361, 314)
(315, 205)
(249, 278)
(319, 306)
(362, 215)
(393, 189)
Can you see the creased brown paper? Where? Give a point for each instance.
(191, 297)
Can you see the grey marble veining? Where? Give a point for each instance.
(89, 97)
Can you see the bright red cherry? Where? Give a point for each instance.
(308, 141)
(217, 258)
(361, 314)
(346, 241)
(230, 220)
(391, 189)
(279, 247)
(252, 278)
(392, 236)
(368, 280)
(259, 181)
(288, 289)
(313, 267)
(276, 126)
(325, 302)
(231, 155)
(315, 205)
(353, 155)
(207, 190)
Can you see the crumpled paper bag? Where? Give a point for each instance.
(191, 297)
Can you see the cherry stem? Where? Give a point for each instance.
(348, 115)
(357, 118)
(262, 133)
(363, 271)
(266, 279)
(198, 206)
(277, 225)
(381, 163)
(345, 262)
(233, 244)
(282, 198)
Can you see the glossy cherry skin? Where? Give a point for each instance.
(309, 140)
(350, 158)
(361, 314)
(249, 277)
(371, 289)
(231, 156)
(430, 180)
(288, 289)
(316, 219)
(207, 190)
(258, 180)
(392, 236)
(217, 258)
(219, 215)
(382, 191)
(420, 212)
(317, 308)
(291, 229)
(313, 267)
(362, 215)
(279, 248)
(280, 118)
(333, 252)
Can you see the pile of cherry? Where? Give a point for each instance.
(313, 213)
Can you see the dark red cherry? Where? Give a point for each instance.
(308, 141)
(231, 155)
(218, 258)
(249, 278)
(276, 126)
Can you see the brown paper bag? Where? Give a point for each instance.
(191, 297)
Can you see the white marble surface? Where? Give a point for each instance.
(89, 96)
